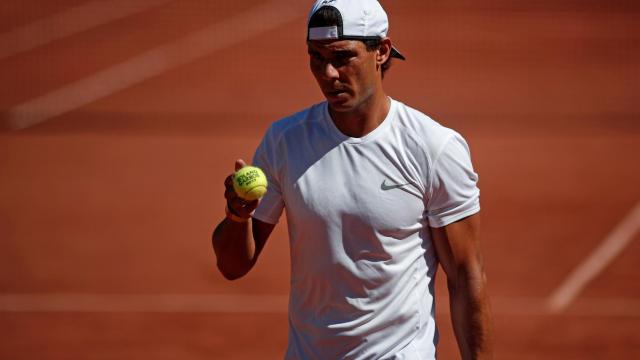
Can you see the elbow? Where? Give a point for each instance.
(230, 275)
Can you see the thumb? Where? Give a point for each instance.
(240, 164)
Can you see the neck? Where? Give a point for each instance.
(363, 119)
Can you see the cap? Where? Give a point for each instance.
(352, 20)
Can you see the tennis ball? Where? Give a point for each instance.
(250, 183)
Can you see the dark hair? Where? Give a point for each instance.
(330, 16)
(326, 16)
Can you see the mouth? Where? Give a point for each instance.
(335, 93)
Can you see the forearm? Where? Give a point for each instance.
(234, 247)
(471, 315)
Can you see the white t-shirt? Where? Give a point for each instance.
(359, 211)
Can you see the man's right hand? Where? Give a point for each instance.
(238, 240)
(238, 206)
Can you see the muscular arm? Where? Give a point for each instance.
(458, 249)
(237, 245)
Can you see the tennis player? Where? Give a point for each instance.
(377, 194)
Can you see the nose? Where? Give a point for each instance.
(329, 71)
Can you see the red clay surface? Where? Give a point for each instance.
(120, 196)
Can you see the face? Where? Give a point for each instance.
(345, 71)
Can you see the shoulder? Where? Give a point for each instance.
(293, 124)
(431, 136)
(283, 137)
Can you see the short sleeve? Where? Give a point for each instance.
(454, 193)
(272, 204)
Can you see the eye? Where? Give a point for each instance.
(315, 55)
(343, 57)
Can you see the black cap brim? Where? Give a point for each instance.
(396, 54)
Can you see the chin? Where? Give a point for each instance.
(340, 105)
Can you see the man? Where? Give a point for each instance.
(377, 194)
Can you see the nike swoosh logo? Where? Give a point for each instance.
(384, 186)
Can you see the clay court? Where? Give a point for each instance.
(121, 119)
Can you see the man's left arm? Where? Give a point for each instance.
(458, 249)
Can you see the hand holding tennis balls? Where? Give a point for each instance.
(250, 183)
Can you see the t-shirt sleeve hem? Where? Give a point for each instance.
(438, 222)
(265, 218)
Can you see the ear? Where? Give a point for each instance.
(384, 51)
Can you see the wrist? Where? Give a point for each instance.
(235, 217)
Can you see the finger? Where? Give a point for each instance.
(229, 194)
(251, 206)
(241, 206)
(240, 164)
(228, 182)
(229, 191)
(237, 204)
(247, 208)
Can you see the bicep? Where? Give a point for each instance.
(457, 246)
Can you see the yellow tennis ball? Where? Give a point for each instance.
(250, 183)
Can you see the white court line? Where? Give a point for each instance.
(68, 22)
(606, 307)
(223, 303)
(273, 304)
(604, 254)
(234, 30)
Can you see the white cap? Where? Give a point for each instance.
(356, 20)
